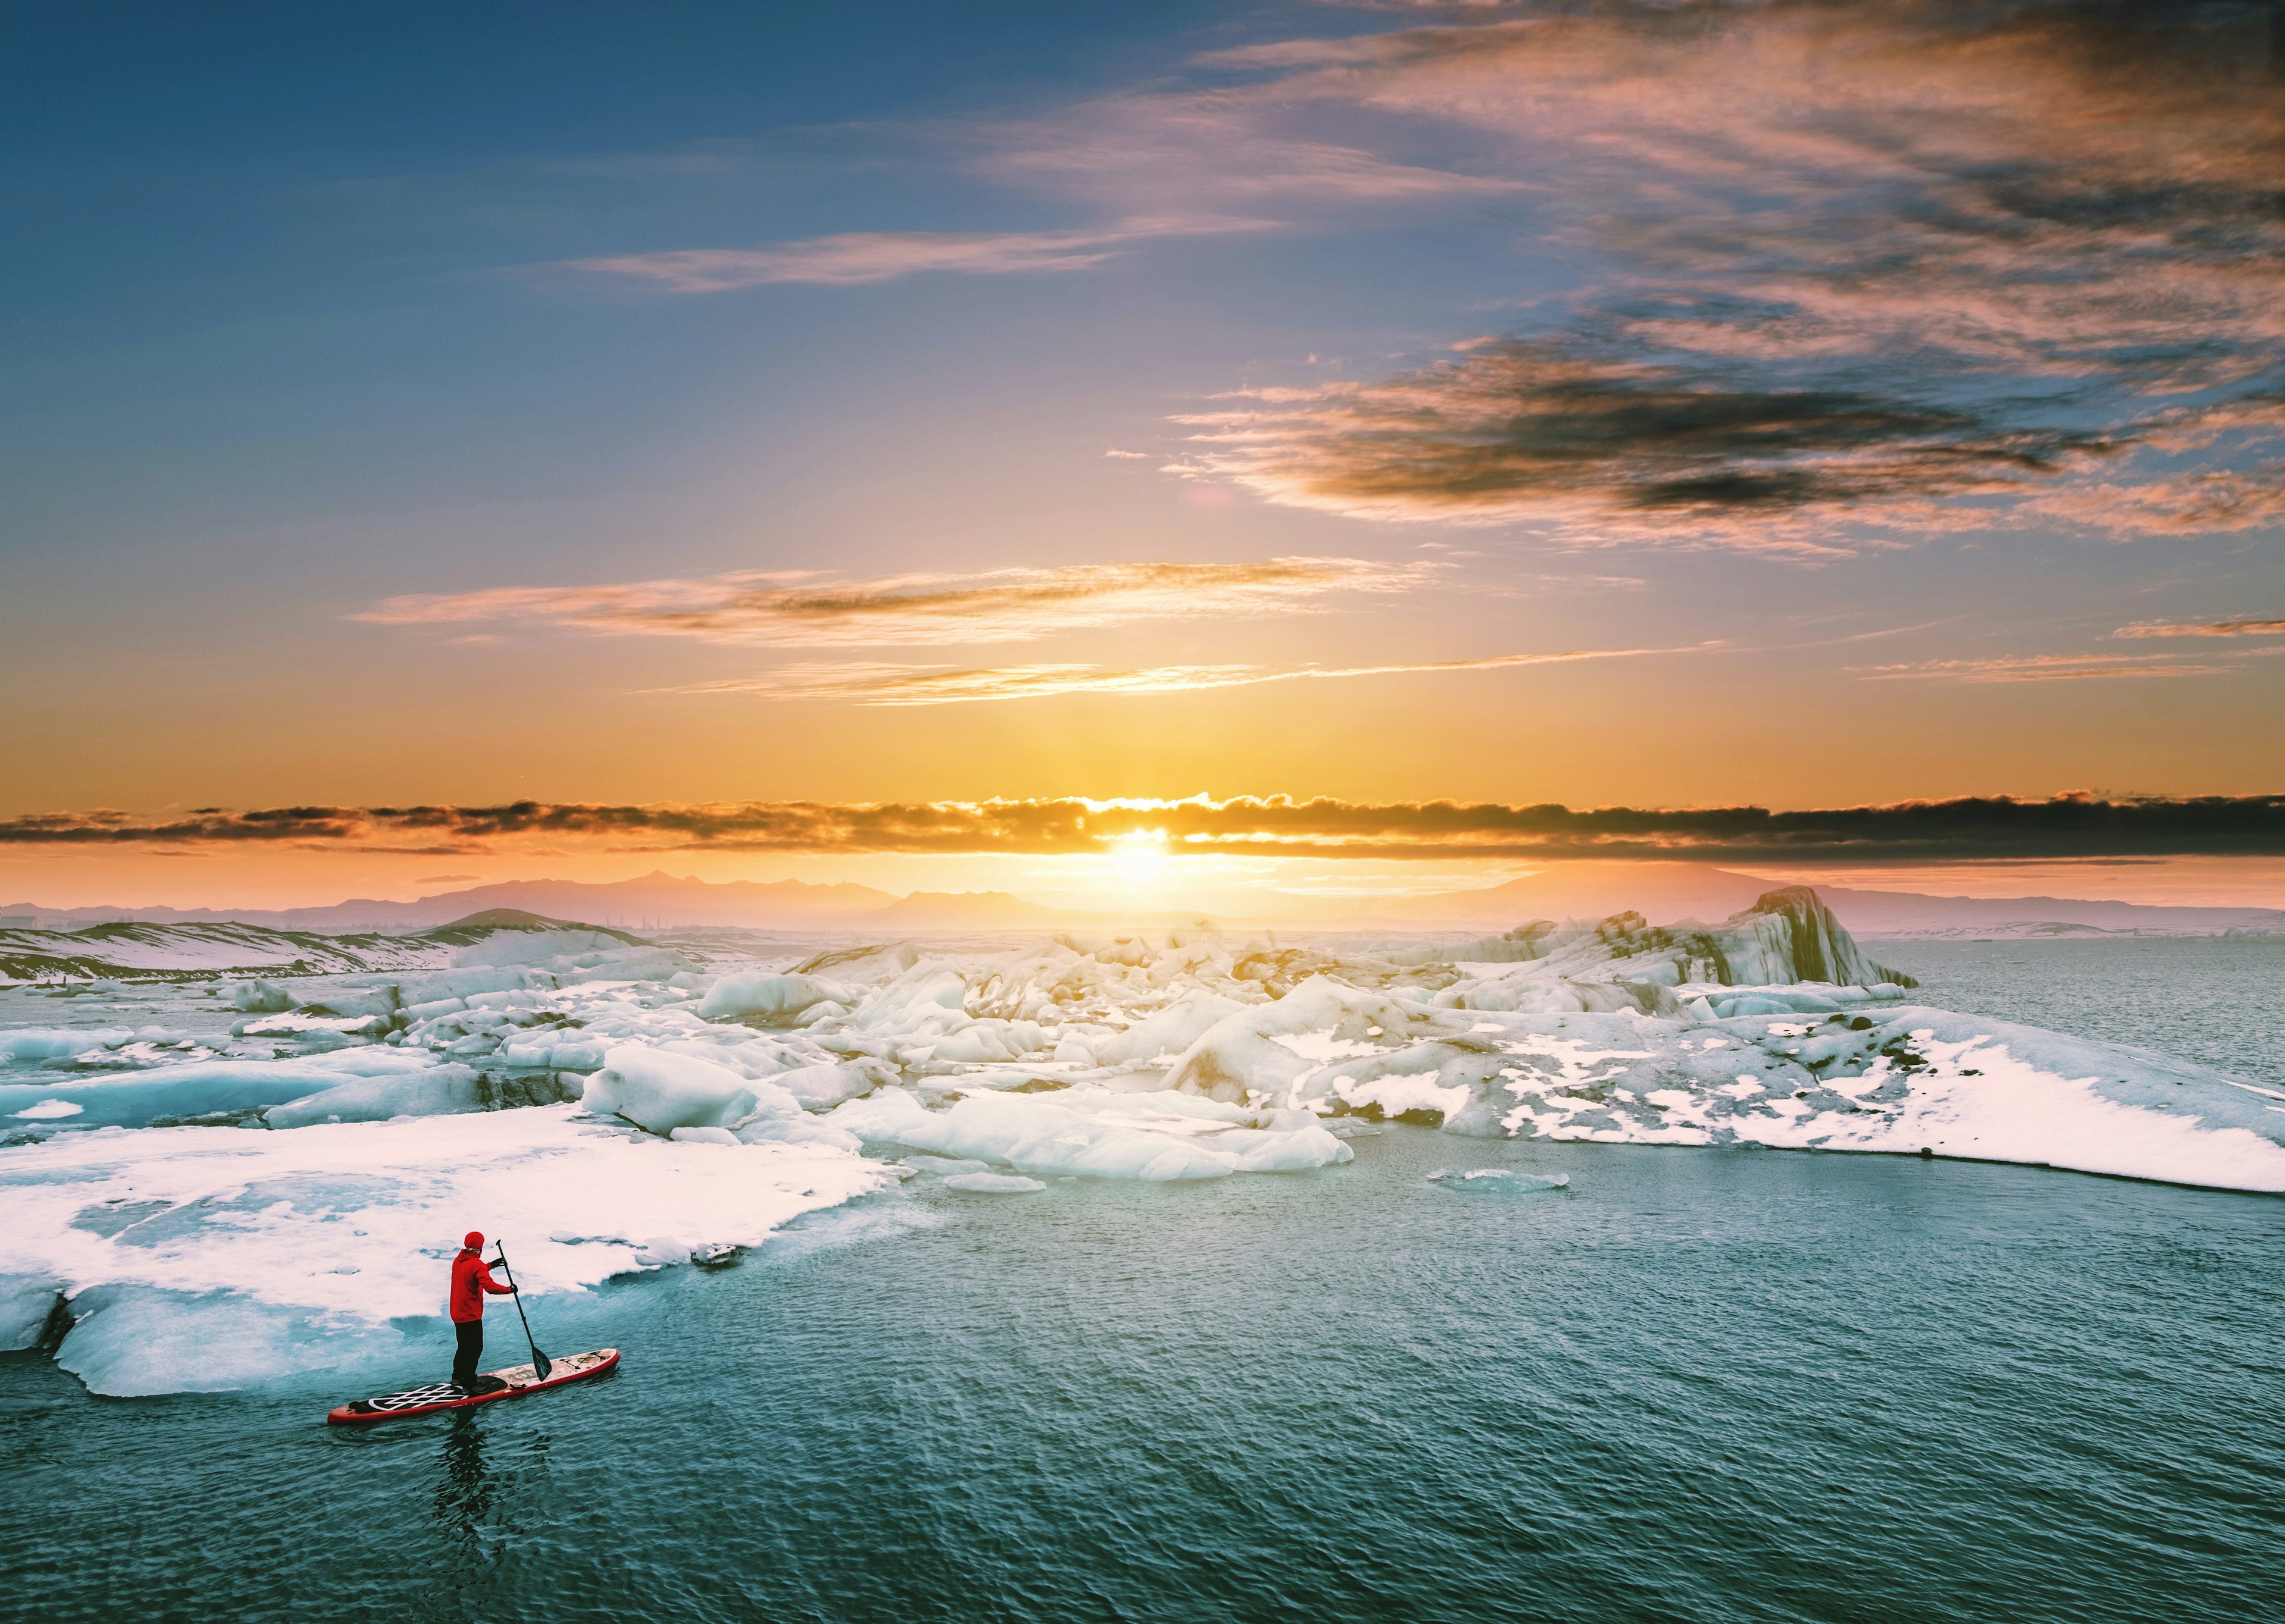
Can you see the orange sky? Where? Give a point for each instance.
(1342, 403)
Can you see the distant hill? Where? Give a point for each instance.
(1666, 892)
(653, 900)
(1868, 913)
(966, 911)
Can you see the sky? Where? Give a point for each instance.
(797, 440)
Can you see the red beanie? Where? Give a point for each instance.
(474, 1241)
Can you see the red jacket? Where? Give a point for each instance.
(472, 1277)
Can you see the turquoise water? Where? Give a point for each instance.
(1697, 1384)
(2219, 1000)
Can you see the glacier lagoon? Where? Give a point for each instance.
(1710, 1381)
(1695, 1383)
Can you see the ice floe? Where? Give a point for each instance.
(196, 1260)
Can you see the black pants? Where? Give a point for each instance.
(471, 1335)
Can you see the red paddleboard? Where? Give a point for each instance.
(443, 1395)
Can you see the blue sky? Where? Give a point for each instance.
(1882, 397)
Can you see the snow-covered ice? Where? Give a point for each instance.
(634, 1104)
(200, 1259)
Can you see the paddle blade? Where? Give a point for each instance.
(540, 1364)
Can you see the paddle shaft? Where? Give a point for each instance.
(539, 1363)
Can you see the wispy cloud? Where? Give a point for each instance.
(2204, 502)
(2206, 628)
(854, 257)
(923, 684)
(2078, 825)
(2043, 668)
(996, 606)
(1182, 150)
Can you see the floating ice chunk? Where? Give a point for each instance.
(49, 1110)
(58, 1042)
(704, 1136)
(1025, 1132)
(130, 1340)
(200, 1088)
(822, 1086)
(1498, 1181)
(943, 1165)
(924, 995)
(993, 1184)
(1167, 1032)
(772, 996)
(663, 1092)
(521, 947)
(795, 1129)
(354, 1001)
(26, 1303)
(1238, 1055)
(444, 1089)
(260, 997)
(296, 1025)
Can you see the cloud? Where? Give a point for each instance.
(2210, 628)
(2068, 825)
(997, 606)
(1524, 430)
(2208, 501)
(856, 257)
(2046, 215)
(922, 684)
(2042, 668)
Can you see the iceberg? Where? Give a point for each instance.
(1099, 1134)
(760, 993)
(664, 1091)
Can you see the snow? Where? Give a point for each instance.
(231, 1256)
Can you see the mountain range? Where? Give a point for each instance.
(1667, 892)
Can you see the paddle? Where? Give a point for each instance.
(539, 1364)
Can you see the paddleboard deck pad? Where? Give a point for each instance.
(516, 1382)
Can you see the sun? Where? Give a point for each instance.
(1140, 860)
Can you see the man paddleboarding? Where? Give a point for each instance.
(472, 1277)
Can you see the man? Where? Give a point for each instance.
(472, 1277)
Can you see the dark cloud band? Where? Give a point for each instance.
(1934, 831)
